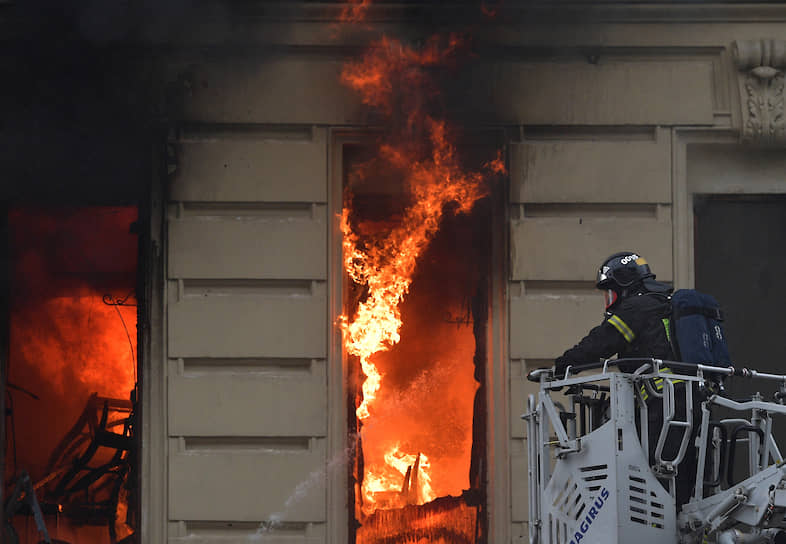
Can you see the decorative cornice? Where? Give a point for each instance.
(677, 11)
(760, 65)
(210, 23)
(157, 23)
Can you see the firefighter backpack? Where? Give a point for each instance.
(698, 335)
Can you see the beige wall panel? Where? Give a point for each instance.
(243, 404)
(247, 171)
(247, 485)
(235, 532)
(242, 248)
(519, 482)
(572, 248)
(252, 536)
(591, 171)
(690, 32)
(544, 327)
(270, 90)
(520, 388)
(243, 532)
(612, 93)
(248, 326)
(607, 27)
(736, 169)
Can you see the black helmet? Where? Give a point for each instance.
(620, 272)
(623, 269)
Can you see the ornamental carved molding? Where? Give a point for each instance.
(761, 65)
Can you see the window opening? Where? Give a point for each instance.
(72, 374)
(416, 409)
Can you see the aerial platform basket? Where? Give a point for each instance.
(591, 479)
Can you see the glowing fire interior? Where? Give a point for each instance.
(72, 335)
(429, 371)
(410, 326)
(415, 408)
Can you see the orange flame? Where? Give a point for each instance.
(61, 325)
(490, 11)
(388, 481)
(436, 181)
(65, 341)
(354, 11)
(387, 267)
(390, 72)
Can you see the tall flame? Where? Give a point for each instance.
(436, 182)
(387, 267)
(354, 11)
(399, 465)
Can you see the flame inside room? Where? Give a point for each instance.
(417, 252)
(72, 374)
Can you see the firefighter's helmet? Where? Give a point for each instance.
(621, 272)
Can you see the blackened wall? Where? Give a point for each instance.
(77, 106)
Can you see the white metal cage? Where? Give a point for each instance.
(594, 477)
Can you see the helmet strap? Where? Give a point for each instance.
(610, 297)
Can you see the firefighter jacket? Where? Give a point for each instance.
(638, 326)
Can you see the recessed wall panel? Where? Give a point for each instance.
(249, 247)
(520, 388)
(250, 170)
(247, 485)
(566, 171)
(543, 327)
(613, 92)
(246, 404)
(242, 532)
(280, 89)
(519, 506)
(571, 248)
(248, 326)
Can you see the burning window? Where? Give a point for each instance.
(72, 374)
(417, 250)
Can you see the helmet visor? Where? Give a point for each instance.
(603, 276)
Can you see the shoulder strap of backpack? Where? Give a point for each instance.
(668, 321)
(711, 313)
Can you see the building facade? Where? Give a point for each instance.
(615, 121)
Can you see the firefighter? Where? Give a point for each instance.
(636, 324)
(636, 307)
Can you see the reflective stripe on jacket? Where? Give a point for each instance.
(635, 328)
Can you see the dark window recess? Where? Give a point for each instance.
(70, 444)
(739, 259)
(419, 469)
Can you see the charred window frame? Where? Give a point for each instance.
(5, 266)
(151, 319)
